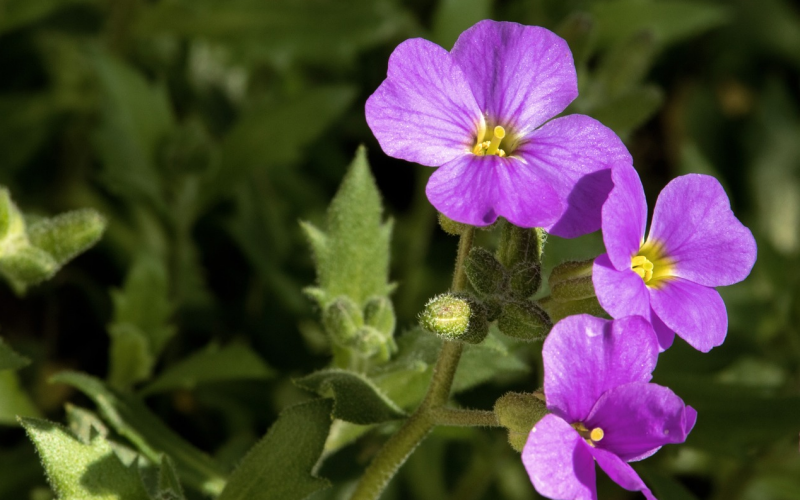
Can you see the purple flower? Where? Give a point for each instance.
(695, 243)
(479, 112)
(603, 409)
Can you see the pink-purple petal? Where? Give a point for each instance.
(693, 219)
(621, 293)
(664, 334)
(521, 76)
(638, 418)
(575, 154)
(585, 356)
(559, 461)
(424, 111)
(694, 312)
(476, 190)
(624, 217)
(620, 472)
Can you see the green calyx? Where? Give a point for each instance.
(485, 273)
(519, 412)
(524, 320)
(455, 317)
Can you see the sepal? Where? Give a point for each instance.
(518, 412)
(524, 320)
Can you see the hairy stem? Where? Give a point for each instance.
(464, 418)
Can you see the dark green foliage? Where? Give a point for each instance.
(10, 360)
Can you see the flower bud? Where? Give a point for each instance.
(519, 244)
(524, 320)
(573, 289)
(526, 278)
(559, 310)
(486, 274)
(571, 269)
(518, 412)
(342, 319)
(379, 314)
(369, 341)
(455, 317)
(65, 236)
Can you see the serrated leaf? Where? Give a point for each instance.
(356, 398)
(279, 466)
(10, 360)
(130, 358)
(14, 401)
(82, 471)
(353, 258)
(66, 235)
(169, 485)
(131, 419)
(84, 423)
(144, 300)
(213, 364)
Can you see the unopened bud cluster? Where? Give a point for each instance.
(366, 331)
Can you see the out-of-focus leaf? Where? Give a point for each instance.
(24, 123)
(14, 401)
(10, 360)
(669, 21)
(273, 133)
(20, 13)
(66, 235)
(280, 466)
(451, 17)
(169, 485)
(356, 398)
(131, 419)
(665, 487)
(27, 469)
(130, 359)
(212, 364)
(317, 29)
(136, 117)
(83, 470)
(630, 110)
(482, 362)
(84, 423)
(352, 256)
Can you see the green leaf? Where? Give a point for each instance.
(212, 364)
(630, 110)
(20, 13)
(352, 258)
(279, 466)
(451, 17)
(169, 485)
(66, 235)
(82, 471)
(130, 358)
(668, 21)
(356, 398)
(14, 401)
(483, 362)
(131, 419)
(10, 360)
(136, 118)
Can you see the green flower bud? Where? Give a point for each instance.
(526, 278)
(455, 317)
(518, 412)
(368, 341)
(524, 320)
(450, 226)
(342, 319)
(558, 310)
(571, 269)
(65, 236)
(26, 266)
(379, 314)
(518, 244)
(572, 289)
(12, 225)
(486, 274)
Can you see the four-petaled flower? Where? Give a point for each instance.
(596, 375)
(695, 243)
(479, 112)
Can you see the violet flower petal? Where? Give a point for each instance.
(521, 76)
(575, 154)
(620, 472)
(665, 335)
(585, 356)
(476, 190)
(559, 461)
(624, 217)
(638, 418)
(694, 312)
(621, 293)
(693, 219)
(424, 111)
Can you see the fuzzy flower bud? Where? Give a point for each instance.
(518, 412)
(342, 319)
(524, 320)
(486, 274)
(379, 314)
(455, 317)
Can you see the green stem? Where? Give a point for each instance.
(398, 448)
(457, 417)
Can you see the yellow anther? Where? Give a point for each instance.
(652, 264)
(639, 271)
(596, 434)
(643, 267)
(499, 133)
(638, 260)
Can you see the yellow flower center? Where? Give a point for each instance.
(652, 264)
(591, 437)
(492, 146)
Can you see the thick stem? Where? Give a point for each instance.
(464, 418)
(398, 448)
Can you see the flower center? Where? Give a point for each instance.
(492, 146)
(652, 264)
(591, 436)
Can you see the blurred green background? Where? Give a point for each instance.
(205, 130)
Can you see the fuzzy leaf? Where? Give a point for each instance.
(356, 398)
(66, 235)
(10, 360)
(353, 257)
(83, 471)
(169, 486)
(131, 360)
(212, 364)
(279, 466)
(131, 419)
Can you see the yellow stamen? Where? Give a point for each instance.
(499, 133)
(596, 434)
(652, 264)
